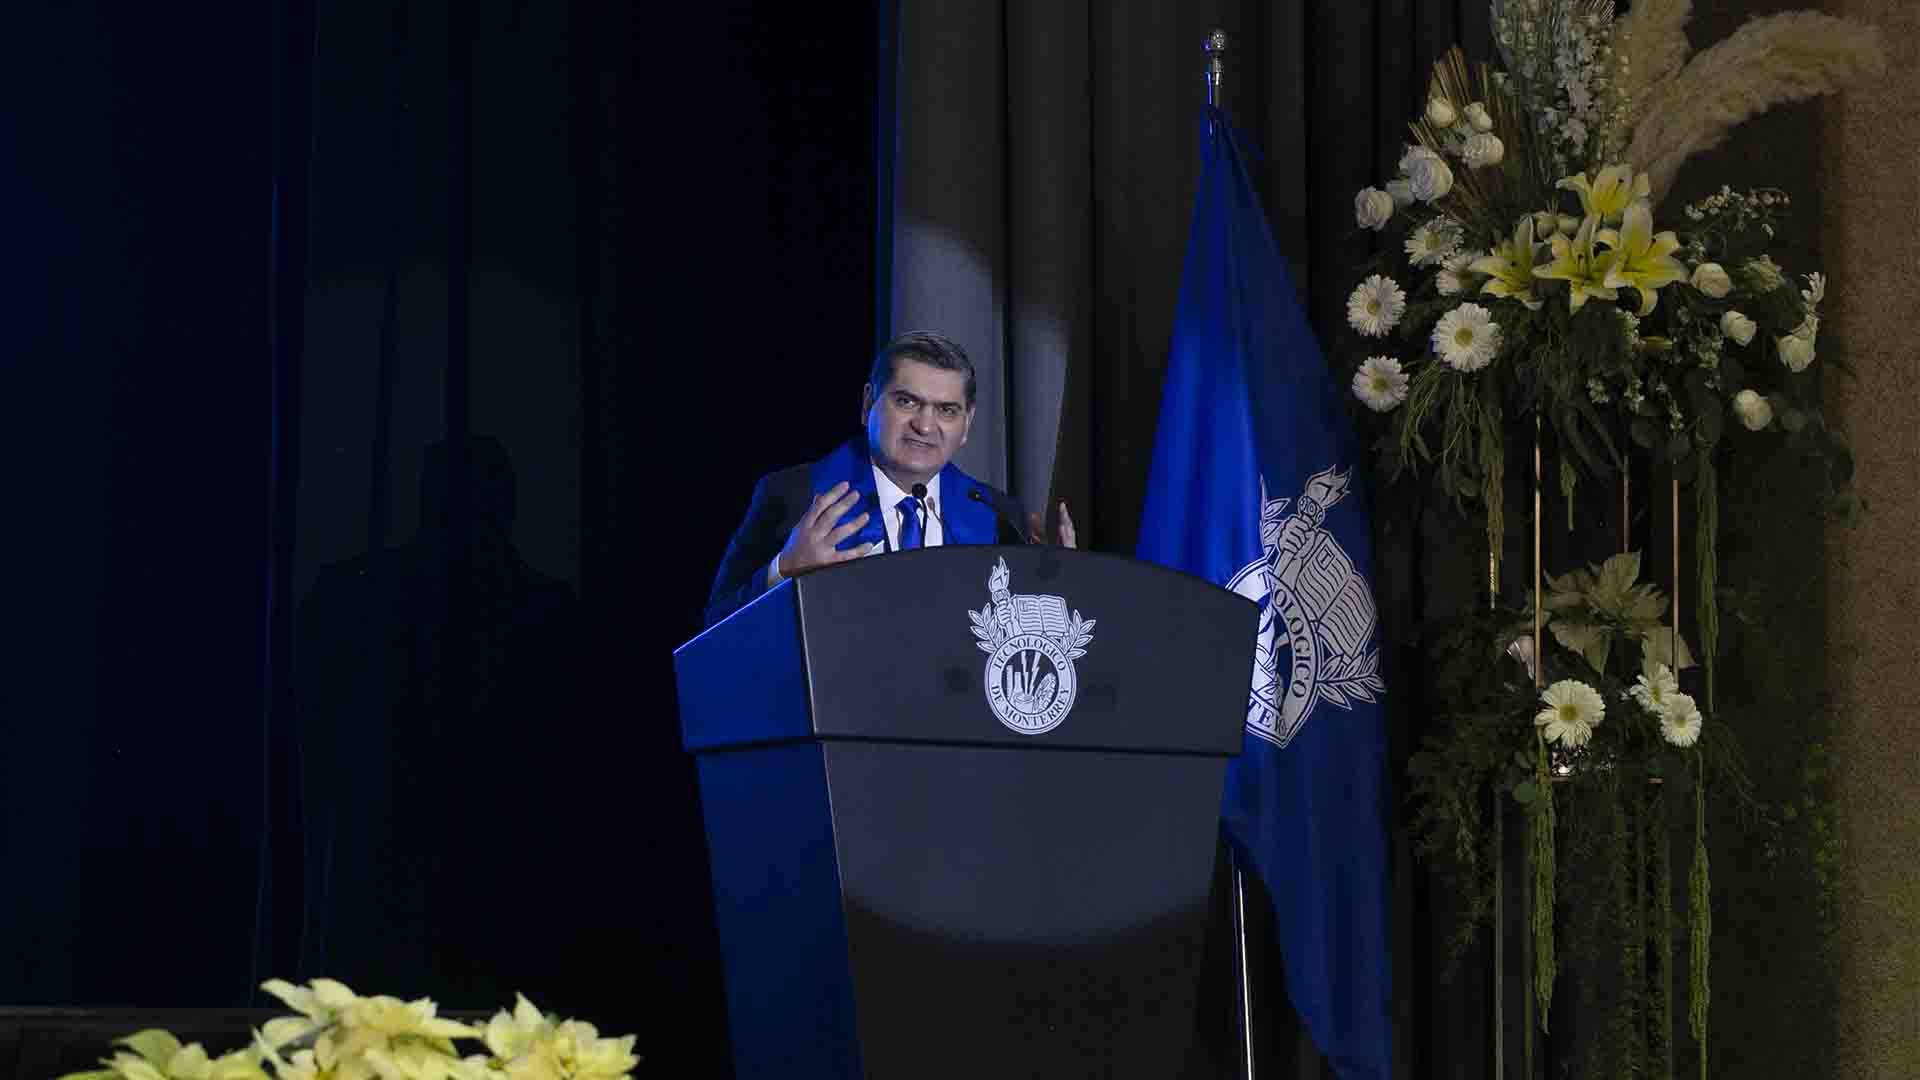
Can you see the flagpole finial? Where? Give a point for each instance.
(1215, 46)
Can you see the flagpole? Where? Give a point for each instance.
(1213, 48)
(1240, 964)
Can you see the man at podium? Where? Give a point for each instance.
(892, 488)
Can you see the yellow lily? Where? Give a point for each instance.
(1510, 267)
(1644, 259)
(1609, 193)
(1576, 263)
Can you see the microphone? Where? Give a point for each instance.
(1000, 511)
(920, 492)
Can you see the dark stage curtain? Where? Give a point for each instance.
(134, 423)
(577, 273)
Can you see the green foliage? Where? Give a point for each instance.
(1483, 742)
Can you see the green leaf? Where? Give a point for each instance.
(1648, 605)
(1793, 421)
(1678, 776)
(1526, 793)
(1657, 646)
(1618, 575)
(1643, 433)
(1590, 641)
(1713, 422)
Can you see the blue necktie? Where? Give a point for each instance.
(909, 523)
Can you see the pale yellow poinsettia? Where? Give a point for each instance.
(1644, 259)
(511, 1035)
(360, 1038)
(157, 1055)
(529, 1046)
(412, 1061)
(1576, 262)
(1510, 267)
(1609, 193)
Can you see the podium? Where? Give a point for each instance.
(962, 806)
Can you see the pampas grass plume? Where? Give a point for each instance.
(1767, 62)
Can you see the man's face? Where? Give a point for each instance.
(917, 421)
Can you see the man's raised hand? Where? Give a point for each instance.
(1037, 528)
(815, 541)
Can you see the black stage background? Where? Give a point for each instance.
(287, 694)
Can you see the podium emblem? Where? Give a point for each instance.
(1316, 615)
(1031, 643)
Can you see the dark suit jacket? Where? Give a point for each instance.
(779, 499)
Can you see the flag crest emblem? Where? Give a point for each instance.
(1309, 591)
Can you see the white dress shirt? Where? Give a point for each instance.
(890, 495)
(933, 533)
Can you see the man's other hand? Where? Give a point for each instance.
(815, 541)
(1037, 528)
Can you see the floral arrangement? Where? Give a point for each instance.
(1543, 281)
(339, 1035)
(1591, 711)
(1543, 291)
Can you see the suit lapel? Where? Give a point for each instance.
(966, 519)
(849, 463)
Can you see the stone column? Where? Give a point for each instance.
(1871, 236)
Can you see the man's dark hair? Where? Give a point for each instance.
(928, 348)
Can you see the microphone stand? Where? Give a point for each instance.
(999, 511)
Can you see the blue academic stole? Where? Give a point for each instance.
(964, 519)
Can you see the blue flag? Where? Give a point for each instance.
(1253, 487)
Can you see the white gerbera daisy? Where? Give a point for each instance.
(1376, 306)
(1654, 688)
(1466, 338)
(1380, 383)
(1681, 720)
(1573, 710)
(1433, 242)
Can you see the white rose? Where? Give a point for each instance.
(1809, 328)
(1796, 352)
(1753, 410)
(1545, 223)
(1372, 208)
(1431, 179)
(1478, 116)
(1484, 149)
(1413, 155)
(1738, 327)
(1711, 278)
(1402, 193)
(1440, 112)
